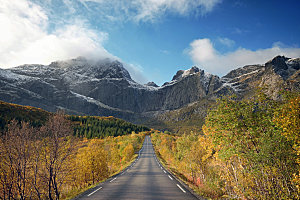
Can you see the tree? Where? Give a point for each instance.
(287, 118)
(259, 160)
(128, 152)
(92, 163)
(16, 160)
(57, 147)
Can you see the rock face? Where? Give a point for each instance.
(105, 87)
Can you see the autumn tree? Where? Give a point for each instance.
(259, 160)
(128, 152)
(16, 160)
(91, 162)
(287, 118)
(57, 148)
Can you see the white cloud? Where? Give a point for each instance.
(151, 10)
(166, 52)
(136, 72)
(202, 50)
(24, 37)
(226, 41)
(204, 54)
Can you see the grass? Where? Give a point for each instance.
(203, 191)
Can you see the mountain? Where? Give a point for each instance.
(105, 87)
(278, 73)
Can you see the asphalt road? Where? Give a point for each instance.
(144, 179)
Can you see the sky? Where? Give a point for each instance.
(152, 38)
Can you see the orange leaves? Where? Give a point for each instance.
(128, 152)
(288, 119)
(91, 163)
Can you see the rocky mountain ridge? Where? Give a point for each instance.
(106, 88)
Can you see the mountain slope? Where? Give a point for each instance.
(105, 87)
(278, 73)
(84, 126)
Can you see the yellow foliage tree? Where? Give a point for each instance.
(128, 152)
(288, 119)
(92, 163)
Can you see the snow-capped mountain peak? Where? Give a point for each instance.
(184, 73)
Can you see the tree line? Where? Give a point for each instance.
(249, 149)
(48, 162)
(100, 127)
(83, 126)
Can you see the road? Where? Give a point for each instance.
(144, 179)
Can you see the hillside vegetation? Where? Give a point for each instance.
(249, 149)
(183, 120)
(83, 126)
(8, 111)
(99, 127)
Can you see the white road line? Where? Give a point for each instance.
(161, 167)
(165, 171)
(94, 191)
(181, 188)
(170, 177)
(113, 180)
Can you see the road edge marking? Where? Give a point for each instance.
(181, 188)
(113, 180)
(94, 191)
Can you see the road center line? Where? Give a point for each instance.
(94, 191)
(170, 177)
(181, 188)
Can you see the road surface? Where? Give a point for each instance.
(144, 179)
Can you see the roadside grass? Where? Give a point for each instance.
(202, 191)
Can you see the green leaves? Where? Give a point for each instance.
(247, 139)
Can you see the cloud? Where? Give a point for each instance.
(204, 54)
(166, 52)
(226, 41)
(136, 72)
(25, 39)
(152, 10)
(202, 50)
(239, 31)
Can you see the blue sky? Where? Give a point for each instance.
(153, 38)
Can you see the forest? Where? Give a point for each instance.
(83, 126)
(100, 127)
(248, 149)
(49, 162)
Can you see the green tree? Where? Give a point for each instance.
(259, 160)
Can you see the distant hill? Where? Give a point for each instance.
(35, 116)
(84, 126)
